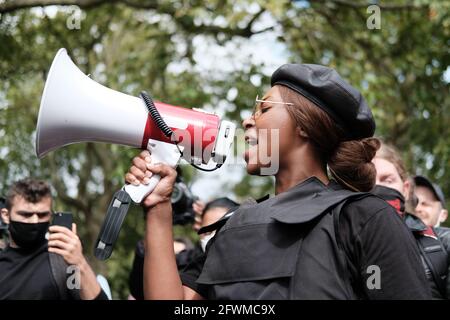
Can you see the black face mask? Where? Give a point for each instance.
(28, 235)
(391, 196)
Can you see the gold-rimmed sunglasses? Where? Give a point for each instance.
(257, 110)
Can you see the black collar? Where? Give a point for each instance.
(307, 200)
(414, 223)
(301, 203)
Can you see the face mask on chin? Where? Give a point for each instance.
(28, 235)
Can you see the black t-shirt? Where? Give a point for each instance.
(372, 234)
(26, 275)
(136, 279)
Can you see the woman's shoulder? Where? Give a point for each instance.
(361, 211)
(368, 203)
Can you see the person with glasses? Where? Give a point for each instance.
(32, 267)
(322, 236)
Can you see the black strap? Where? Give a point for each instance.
(311, 226)
(435, 257)
(59, 269)
(218, 224)
(348, 271)
(59, 272)
(109, 233)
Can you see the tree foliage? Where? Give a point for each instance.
(132, 45)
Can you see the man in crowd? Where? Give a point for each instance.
(32, 267)
(431, 209)
(431, 202)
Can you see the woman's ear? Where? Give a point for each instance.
(302, 133)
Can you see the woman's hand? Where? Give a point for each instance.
(142, 170)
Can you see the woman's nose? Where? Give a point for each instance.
(248, 123)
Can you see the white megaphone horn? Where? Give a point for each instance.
(74, 108)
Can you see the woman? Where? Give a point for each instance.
(394, 186)
(295, 245)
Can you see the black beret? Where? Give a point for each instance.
(325, 87)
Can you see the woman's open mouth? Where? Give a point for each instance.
(252, 143)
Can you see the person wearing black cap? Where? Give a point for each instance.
(431, 209)
(431, 206)
(321, 236)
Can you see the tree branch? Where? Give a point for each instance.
(10, 6)
(184, 22)
(352, 4)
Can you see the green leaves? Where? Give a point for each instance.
(154, 46)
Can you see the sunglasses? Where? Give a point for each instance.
(258, 108)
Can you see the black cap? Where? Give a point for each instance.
(2, 202)
(325, 87)
(437, 191)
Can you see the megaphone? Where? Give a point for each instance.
(74, 108)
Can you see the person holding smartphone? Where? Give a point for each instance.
(35, 266)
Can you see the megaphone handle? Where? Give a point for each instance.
(138, 193)
(162, 152)
(117, 210)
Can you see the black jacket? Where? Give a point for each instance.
(444, 235)
(432, 252)
(286, 248)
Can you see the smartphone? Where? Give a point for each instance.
(64, 219)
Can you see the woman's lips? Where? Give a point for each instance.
(252, 143)
(251, 150)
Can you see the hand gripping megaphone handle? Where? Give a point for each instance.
(161, 152)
